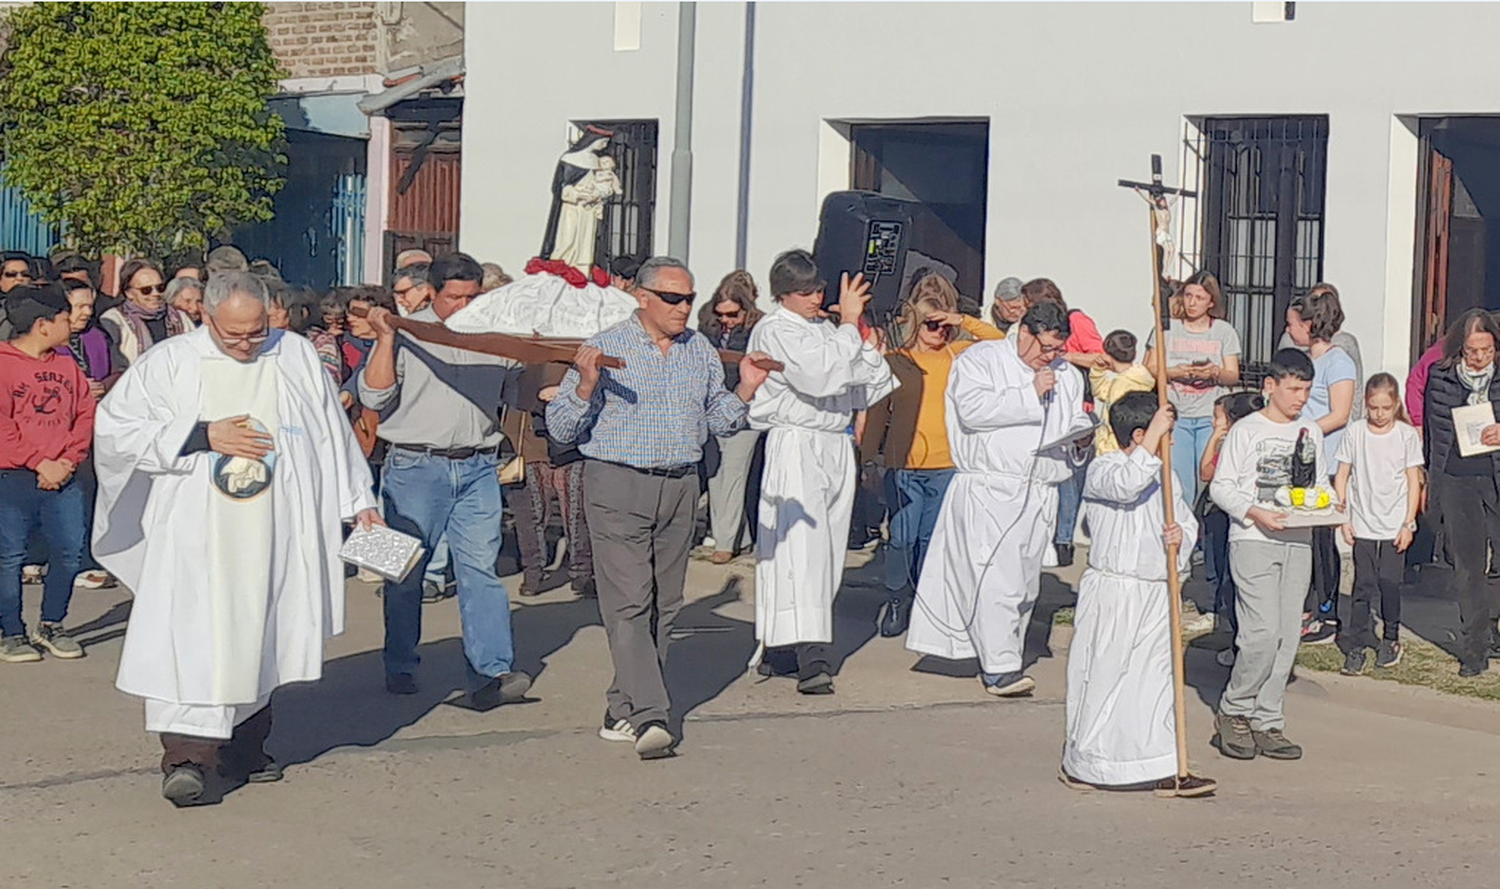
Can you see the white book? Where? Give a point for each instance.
(1469, 422)
(388, 553)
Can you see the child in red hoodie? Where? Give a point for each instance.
(46, 430)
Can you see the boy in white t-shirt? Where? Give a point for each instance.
(1380, 478)
(1270, 563)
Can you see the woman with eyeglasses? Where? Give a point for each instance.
(1464, 489)
(144, 318)
(1312, 322)
(727, 320)
(907, 433)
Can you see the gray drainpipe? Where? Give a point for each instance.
(747, 89)
(681, 198)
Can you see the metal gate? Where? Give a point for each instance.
(347, 226)
(1263, 184)
(21, 229)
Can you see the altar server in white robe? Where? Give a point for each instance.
(1121, 732)
(225, 466)
(808, 486)
(1005, 399)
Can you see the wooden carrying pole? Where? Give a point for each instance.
(1174, 579)
(1155, 192)
(527, 350)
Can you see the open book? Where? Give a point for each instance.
(1469, 423)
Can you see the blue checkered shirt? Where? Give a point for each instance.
(656, 411)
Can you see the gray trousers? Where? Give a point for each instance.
(726, 491)
(1270, 582)
(641, 527)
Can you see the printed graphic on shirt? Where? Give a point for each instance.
(1277, 464)
(40, 401)
(241, 478)
(1195, 351)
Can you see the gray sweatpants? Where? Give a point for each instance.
(1270, 582)
(641, 528)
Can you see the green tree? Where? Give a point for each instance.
(142, 127)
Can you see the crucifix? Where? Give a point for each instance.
(1163, 252)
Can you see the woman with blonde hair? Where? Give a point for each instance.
(726, 320)
(907, 433)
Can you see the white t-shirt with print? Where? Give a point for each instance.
(1377, 476)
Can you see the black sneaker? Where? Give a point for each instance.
(1272, 744)
(1065, 554)
(432, 592)
(1469, 670)
(1354, 662)
(1389, 654)
(400, 684)
(507, 688)
(819, 683)
(897, 617)
(654, 741)
(1318, 632)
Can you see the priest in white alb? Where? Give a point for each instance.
(807, 489)
(1121, 728)
(1006, 400)
(226, 466)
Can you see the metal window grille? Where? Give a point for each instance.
(629, 220)
(22, 229)
(347, 228)
(1263, 184)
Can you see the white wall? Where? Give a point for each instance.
(1078, 95)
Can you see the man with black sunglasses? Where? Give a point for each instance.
(642, 429)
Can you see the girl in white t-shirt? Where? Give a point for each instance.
(1379, 481)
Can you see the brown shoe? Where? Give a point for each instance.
(721, 558)
(1188, 787)
(1073, 783)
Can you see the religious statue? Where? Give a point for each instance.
(584, 181)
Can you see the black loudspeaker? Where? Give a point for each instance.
(880, 236)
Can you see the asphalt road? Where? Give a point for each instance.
(905, 777)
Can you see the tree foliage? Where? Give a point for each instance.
(143, 127)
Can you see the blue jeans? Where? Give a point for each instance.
(914, 497)
(1189, 441)
(60, 515)
(1069, 501)
(425, 497)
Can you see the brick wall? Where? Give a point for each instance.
(323, 39)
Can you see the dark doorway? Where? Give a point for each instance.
(945, 167)
(1263, 189)
(1458, 252)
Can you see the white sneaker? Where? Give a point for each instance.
(655, 743)
(617, 730)
(710, 542)
(1049, 556)
(1225, 657)
(93, 580)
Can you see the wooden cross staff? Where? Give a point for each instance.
(527, 350)
(1155, 194)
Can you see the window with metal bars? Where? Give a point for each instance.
(626, 229)
(1263, 183)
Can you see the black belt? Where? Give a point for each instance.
(449, 453)
(659, 471)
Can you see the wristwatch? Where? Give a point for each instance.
(1412, 527)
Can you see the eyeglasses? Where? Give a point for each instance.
(935, 326)
(1488, 352)
(727, 315)
(153, 289)
(254, 339)
(1052, 351)
(670, 298)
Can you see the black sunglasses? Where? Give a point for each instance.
(935, 325)
(672, 299)
(734, 314)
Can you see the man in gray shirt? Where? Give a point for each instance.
(440, 413)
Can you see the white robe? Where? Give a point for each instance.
(807, 489)
(983, 568)
(221, 618)
(1120, 727)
